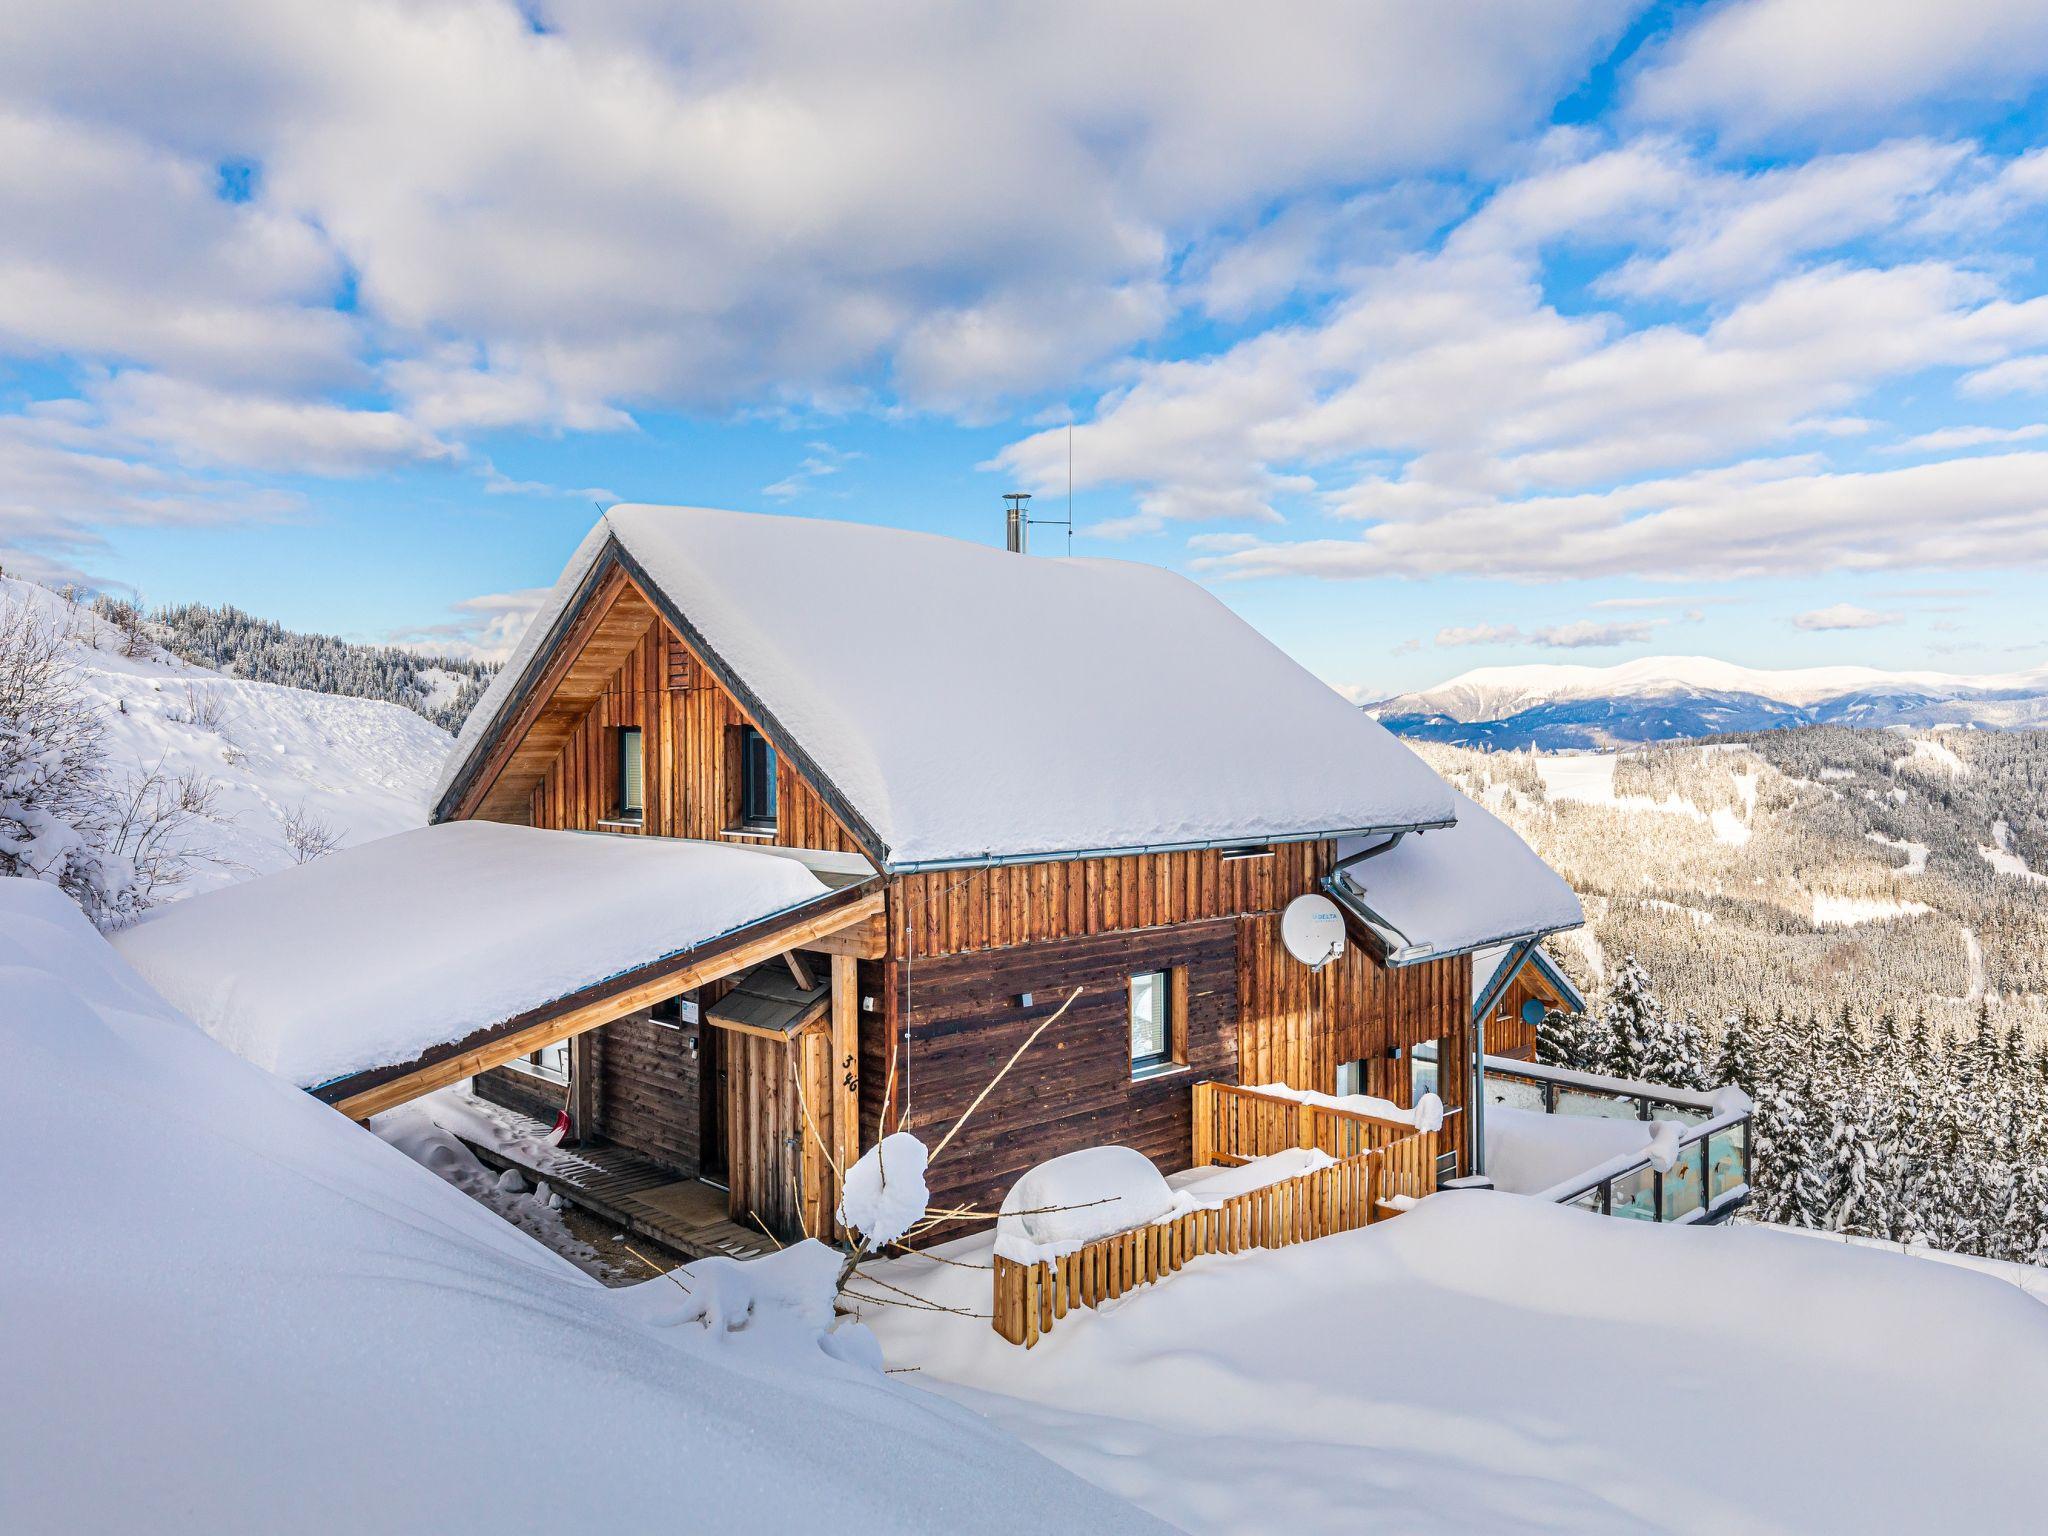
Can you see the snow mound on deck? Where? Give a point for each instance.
(953, 740)
(1069, 1201)
(369, 956)
(241, 1313)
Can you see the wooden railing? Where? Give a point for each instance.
(1234, 1125)
(1364, 1186)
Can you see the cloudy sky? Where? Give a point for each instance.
(1429, 335)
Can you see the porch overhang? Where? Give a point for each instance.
(378, 1089)
(388, 970)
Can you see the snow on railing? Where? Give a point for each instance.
(1686, 1173)
(1372, 1183)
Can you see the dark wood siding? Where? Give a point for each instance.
(647, 1089)
(1073, 1089)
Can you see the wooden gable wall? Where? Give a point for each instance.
(687, 721)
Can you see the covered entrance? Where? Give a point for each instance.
(590, 966)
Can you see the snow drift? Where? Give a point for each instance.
(225, 1309)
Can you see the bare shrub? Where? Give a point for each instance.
(155, 824)
(307, 836)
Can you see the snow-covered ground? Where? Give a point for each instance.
(1916, 853)
(225, 1309)
(1999, 855)
(1489, 1363)
(1588, 777)
(358, 768)
(1848, 911)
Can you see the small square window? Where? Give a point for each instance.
(1350, 1078)
(1151, 1020)
(632, 775)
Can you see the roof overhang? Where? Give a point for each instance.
(1394, 949)
(813, 924)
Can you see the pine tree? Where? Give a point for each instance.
(1633, 1025)
(1735, 1053)
(1561, 1040)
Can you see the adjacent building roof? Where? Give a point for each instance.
(371, 956)
(960, 704)
(1486, 964)
(1452, 891)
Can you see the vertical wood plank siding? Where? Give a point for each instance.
(691, 772)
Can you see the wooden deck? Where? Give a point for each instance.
(640, 1196)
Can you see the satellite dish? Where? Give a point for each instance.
(1532, 1012)
(1313, 930)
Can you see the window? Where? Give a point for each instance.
(550, 1062)
(1350, 1078)
(757, 780)
(1151, 1021)
(632, 778)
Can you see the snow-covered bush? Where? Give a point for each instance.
(884, 1194)
(56, 814)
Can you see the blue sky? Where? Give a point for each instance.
(1428, 337)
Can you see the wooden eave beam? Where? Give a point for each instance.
(369, 1093)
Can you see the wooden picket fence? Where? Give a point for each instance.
(1353, 1192)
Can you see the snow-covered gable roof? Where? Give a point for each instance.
(370, 956)
(1456, 890)
(964, 703)
(286, 1324)
(1486, 964)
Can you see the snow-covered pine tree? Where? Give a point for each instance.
(1847, 1156)
(1561, 1040)
(1632, 1025)
(1735, 1052)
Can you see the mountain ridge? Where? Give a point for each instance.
(1666, 698)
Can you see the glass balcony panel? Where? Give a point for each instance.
(1598, 1106)
(1635, 1195)
(1724, 1161)
(1589, 1201)
(1514, 1092)
(1683, 1184)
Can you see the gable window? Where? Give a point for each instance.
(757, 781)
(632, 775)
(1152, 1042)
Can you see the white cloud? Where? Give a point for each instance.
(694, 204)
(1756, 65)
(2017, 376)
(821, 461)
(1580, 634)
(1761, 519)
(1478, 634)
(484, 628)
(1846, 616)
(1944, 439)
(201, 425)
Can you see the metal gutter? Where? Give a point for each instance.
(1132, 850)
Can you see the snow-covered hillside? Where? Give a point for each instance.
(282, 761)
(1659, 698)
(1492, 1363)
(226, 1309)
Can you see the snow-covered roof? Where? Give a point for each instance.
(965, 703)
(1487, 962)
(241, 1313)
(1455, 890)
(370, 956)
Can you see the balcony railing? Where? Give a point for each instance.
(1708, 1177)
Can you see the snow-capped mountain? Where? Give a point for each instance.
(1662, 698)
(276, 762)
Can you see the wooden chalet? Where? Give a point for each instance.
(777, 834)
(938, 710)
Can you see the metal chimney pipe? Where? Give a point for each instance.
(1017, 522)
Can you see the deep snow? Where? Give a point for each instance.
(225, 1309)
(1491, 1363)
